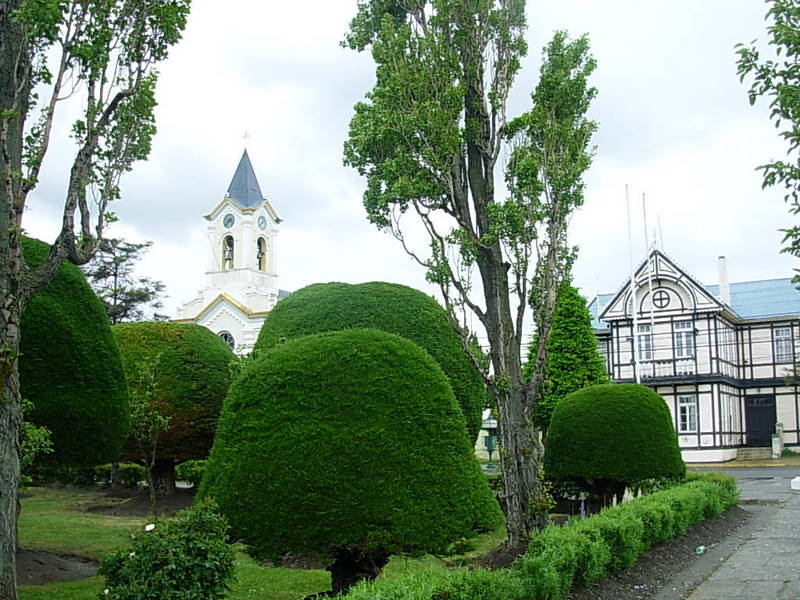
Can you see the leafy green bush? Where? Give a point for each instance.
(346, 442)
(49, 473)
(70, 368)
(183, 372)
(389, 307)
(605, 437)
(183, 559)
(191, 471)
(561, 558)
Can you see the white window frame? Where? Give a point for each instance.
(688, 414)
(782, 344)
(644, 341)
(683, 339)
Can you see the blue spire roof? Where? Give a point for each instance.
(244, 189)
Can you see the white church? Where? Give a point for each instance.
(241, 278)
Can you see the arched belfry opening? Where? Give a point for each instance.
(227, 252)
(261, 254)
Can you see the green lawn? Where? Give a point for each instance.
(53, 520)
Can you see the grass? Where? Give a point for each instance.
(57, 522)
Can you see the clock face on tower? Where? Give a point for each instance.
(228, 220)
(262, 222)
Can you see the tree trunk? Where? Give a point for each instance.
(352, 565)
(10, 421)
(523, 499)
(14, 90)
(163, 477)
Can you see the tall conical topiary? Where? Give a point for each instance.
(349, 446)
(183, 371)
(573, 361)
(389, 307)
(605, 437)
(70, 368)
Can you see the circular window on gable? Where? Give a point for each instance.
(661, 299)
(228, 339)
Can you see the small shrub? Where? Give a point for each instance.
(183, 559)
(607, 437)
(622, 535)
(191, 471)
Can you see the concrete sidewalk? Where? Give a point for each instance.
(760, 561)
(783, 461)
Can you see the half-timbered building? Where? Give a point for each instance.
(722, 356)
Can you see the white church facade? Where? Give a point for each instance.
(722, 356)
(241, 276)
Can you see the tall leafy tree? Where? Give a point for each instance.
(572, 358)
(429, 138)
(778, 79)
(125, 296)
(99, 55)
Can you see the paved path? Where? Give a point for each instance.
(761, 561)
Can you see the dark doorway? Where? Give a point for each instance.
(760, 419)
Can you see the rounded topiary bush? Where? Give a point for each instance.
(389, 307)
(607, 436)
(347, 446)
(184, 372)
(70, 368)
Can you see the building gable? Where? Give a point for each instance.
(673, 291)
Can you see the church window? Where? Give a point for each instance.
(228, 339)
(227, 252)
(261, 254)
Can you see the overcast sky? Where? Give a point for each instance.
(674, 124)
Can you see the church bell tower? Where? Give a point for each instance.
(241, 278)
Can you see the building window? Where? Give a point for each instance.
(261, 254)
(683, 333)
(782, 341)
(687, 413)
(227, 252)
(228, 339)
(644, 339)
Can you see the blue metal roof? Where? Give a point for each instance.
(596, 307)
(244, 189)
(765, 298)
(749, 300)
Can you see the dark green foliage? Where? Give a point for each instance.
(778, 80)
(562, 558)
(70, 368)
(183, 559)
(346, 439)
(612, 434)
(389, 307)
(572, 358)
(129, 475)
(191, 367)
(191, 471)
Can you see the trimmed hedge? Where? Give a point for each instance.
(192, 374)
(70, 368)
(618, 433)
(562, 558)
(389, 307)
(346, 440)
